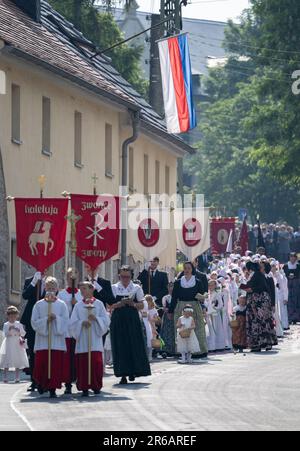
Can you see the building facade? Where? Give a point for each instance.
(67, 117)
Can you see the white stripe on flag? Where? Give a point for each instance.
(169, 95)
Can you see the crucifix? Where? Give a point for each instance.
(42, 181)
(73, 219)
(95, 179)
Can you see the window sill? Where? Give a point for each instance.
(15, 292)
(16, 141)
(109, 175)
(47, 153)
(78, 165)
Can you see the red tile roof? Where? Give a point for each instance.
(20, 31)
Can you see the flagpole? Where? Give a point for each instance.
(42, 181)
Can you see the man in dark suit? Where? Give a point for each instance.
(155, 282)
(103, 290)
(34, 291)
(203, 263)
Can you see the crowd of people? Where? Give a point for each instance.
(279, 240)
(69, 336)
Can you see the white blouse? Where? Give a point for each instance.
(132, 290)
(188, 283)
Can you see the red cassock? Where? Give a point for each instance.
(69, 362)
(82, 371)
(40, 373)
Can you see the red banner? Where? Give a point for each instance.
(98, 230)
(41, 231)
(220, 234)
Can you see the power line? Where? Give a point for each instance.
(209, 44)
(118, 44)
(249, 46)
(239, 69)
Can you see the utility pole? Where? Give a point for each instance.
(171, 10)
(171, 13)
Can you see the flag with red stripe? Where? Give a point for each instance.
(176, 71)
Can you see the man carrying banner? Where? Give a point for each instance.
(154, 282)
(34, 290)
(89, 323)
(71, 296)
(102, 287)
(50, 321)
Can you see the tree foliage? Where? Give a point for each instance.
(249, 154)
(103, 31)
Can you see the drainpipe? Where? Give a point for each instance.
(135, 120)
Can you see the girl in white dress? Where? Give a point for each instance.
(150, 323)
(214, 306)
(108, 358)
(189, 345)
(13, 349)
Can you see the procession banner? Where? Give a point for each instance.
(220, 234)
(41, 227)
(192, 231)
(243, 240)
(98, 229)
(146, 236)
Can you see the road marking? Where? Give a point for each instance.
(13, 400)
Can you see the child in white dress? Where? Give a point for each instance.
(108, 358)
(187, 346)
(150, 323)
(13, 349)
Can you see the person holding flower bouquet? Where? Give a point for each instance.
(187, 342)
(13, 349)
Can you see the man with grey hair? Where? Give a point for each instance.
(49, 320)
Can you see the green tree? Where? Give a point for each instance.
(103, 31)
(268, 36)
(249, 153)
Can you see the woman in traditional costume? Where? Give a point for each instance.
(189, 290)
(292, 272)
(261, 331)
(127, 337)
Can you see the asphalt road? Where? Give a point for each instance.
(227, 393)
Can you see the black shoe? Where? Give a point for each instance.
(255, 350)
(204, 356)
(53, 394)
(97, 392)
(32, 388)
(124, 381)
(68, 390)
(131, 378)
(269, 348)
(85, 394)
(40, 390)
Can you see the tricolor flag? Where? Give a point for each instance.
(176, 72)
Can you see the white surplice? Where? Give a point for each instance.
(98, 328)
(214, 305)
(59, 327)
(67, 297)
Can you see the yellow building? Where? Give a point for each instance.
(67, 117)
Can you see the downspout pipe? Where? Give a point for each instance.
(135, 120)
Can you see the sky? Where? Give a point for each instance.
(220, 10)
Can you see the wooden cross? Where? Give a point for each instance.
(73, 219)
(95, 179)
(42, 181)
